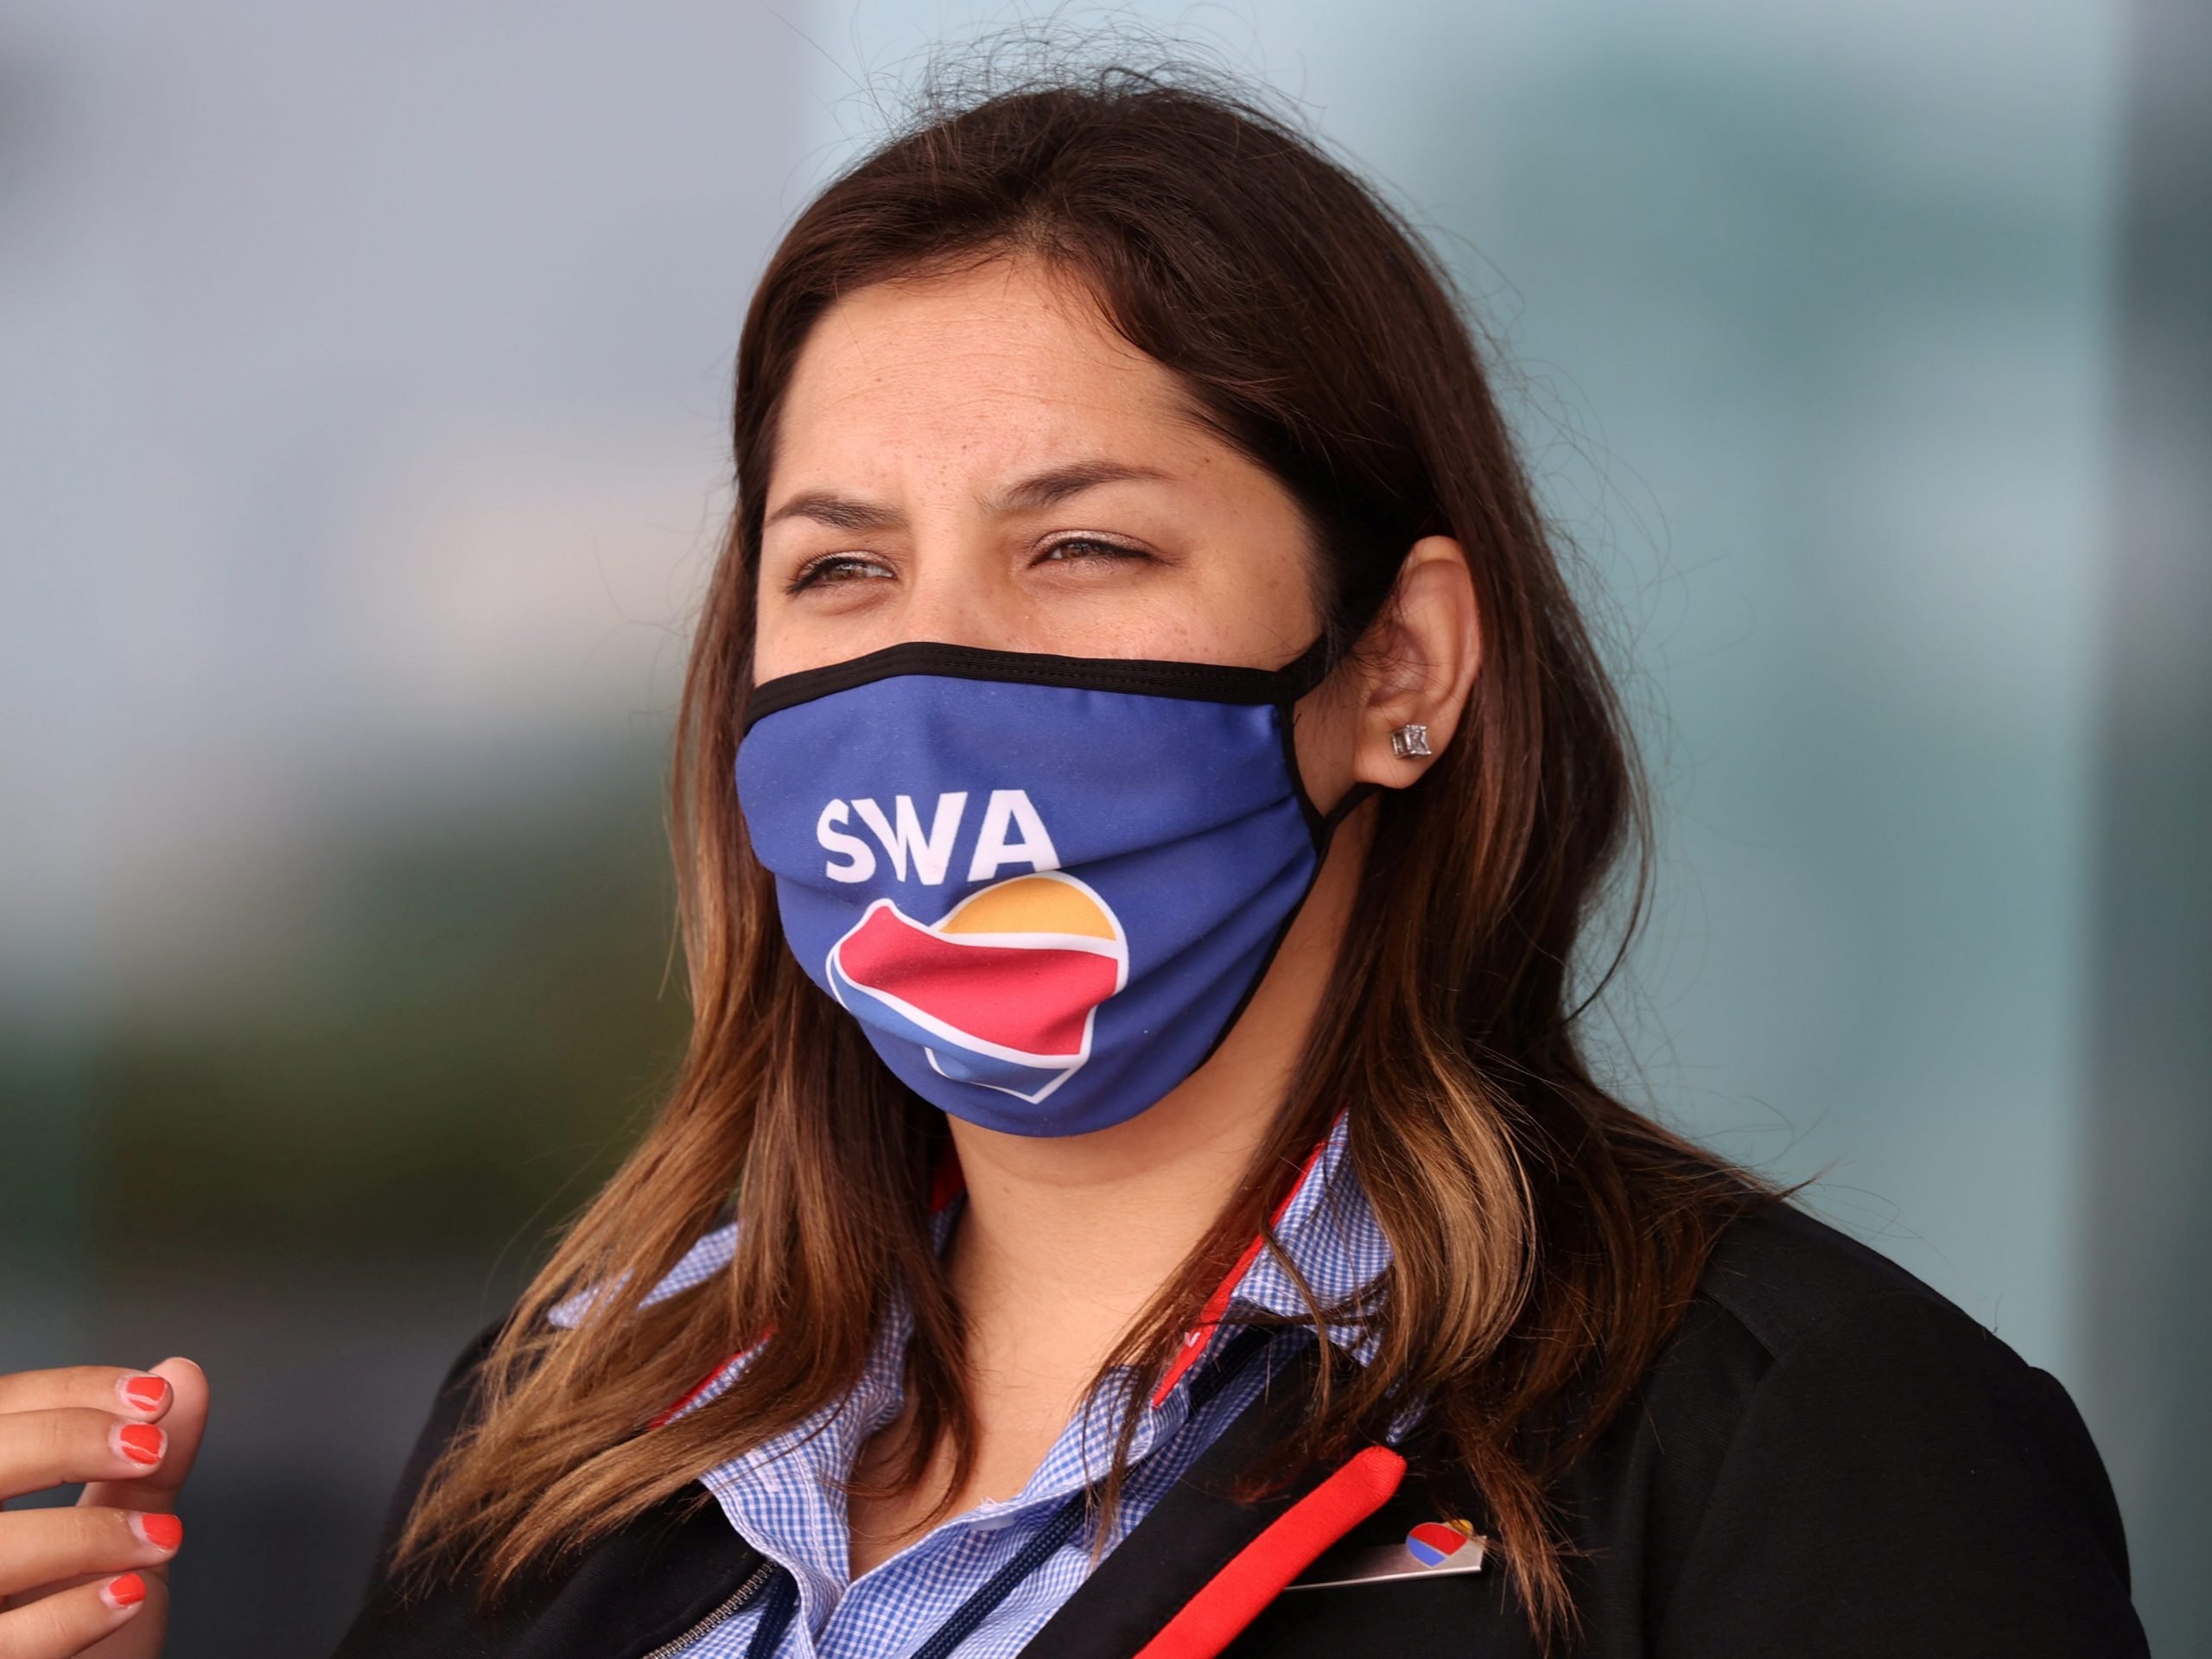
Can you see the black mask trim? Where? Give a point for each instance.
(1196, 682)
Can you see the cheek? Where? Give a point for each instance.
(790, 635)
(1288, 599)
(773, 649)
(783, 643)
(1255, 604)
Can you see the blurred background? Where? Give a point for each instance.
(362, 387)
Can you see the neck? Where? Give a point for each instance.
(1066, 1239)
(1063, 1241)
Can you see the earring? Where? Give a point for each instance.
(1407, 741)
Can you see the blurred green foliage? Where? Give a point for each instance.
(451, 1069)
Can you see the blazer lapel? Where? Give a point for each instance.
(1159, 1593)
(639, 1587)
(1195, 1530)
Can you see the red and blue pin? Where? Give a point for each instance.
(1434, 1542)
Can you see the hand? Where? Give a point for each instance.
(94, 1580)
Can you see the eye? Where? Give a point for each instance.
(1072, 550)
(835, 567)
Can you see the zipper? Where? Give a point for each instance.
(739, 1600)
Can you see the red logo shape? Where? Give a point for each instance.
(1434, 1542)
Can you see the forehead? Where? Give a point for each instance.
(980, 368)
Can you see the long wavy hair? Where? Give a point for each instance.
(1546, 1235)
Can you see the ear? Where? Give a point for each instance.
(1420, 657)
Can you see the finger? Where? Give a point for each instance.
(143, 1396)
(65, 1624)
(39, 1449)
(40, 1546)
(187, 1421)
(140, 1637)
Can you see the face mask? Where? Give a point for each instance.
(1044, 886)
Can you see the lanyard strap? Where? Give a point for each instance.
(1042, 1545)
(775, 1616)
(1048, 1538)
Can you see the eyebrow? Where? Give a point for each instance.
(1039, 490)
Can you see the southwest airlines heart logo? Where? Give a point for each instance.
(1434, 1542)
(1001, 990)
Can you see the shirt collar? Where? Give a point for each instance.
(1324, 1226)
(783, 1494)
(1326, 1231)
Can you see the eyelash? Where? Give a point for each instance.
(813, 572)
(817, 571)
(1113, 550)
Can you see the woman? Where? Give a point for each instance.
(1141, 779)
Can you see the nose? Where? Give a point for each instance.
(962, 592)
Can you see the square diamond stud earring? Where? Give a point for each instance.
(1407, 741)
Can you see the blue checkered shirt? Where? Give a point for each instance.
(782, 1497)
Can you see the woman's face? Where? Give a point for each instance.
(979, 459)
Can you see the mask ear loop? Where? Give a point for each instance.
(1297, 677)
(1295, 680)
(1304, 671)
(1354, 797)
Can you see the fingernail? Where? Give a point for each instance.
(126, 1591)
(145, 1394)
(162, 1531)
(140, 1442)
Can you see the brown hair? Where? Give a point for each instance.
(1546, 1235)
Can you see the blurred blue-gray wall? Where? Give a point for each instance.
(362, 388)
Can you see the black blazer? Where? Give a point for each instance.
(1828, 1458)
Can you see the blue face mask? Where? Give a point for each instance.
(1044, 886)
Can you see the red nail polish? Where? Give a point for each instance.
(126, 1591)
(146, 1393)
(140, 1442)
(162, 1531)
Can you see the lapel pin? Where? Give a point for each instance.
(1432, 1549)
(1434, 1542)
